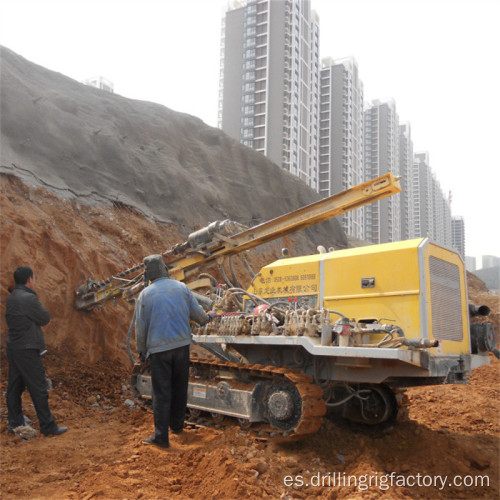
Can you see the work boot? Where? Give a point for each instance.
(56, 431)
(152, 440)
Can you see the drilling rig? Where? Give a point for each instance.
(344, 331)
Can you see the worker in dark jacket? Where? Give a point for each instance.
(25, 316)
(163, 335)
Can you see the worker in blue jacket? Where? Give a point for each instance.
(163, 334)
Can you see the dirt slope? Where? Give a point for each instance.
(94, 146)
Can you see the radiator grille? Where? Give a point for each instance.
(446, 300)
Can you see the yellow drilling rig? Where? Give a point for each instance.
(343, 331)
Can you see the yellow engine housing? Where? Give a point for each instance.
(414, 284)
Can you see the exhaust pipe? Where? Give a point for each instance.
(421, 343)
(478, 310)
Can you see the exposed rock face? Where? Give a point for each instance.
(84, 143)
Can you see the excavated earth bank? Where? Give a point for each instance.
(58, 215)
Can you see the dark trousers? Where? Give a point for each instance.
(26, 370)
(169, 378)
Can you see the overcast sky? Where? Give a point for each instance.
(439, 60)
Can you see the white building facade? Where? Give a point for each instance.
(381, 132)
(431, 210)
(408, 226)
(269, 82)
(341, 152)
(458, 234)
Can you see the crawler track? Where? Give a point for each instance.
(313, 407)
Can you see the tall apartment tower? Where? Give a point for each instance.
(470, 263)
(442, 216)
(341, 145)
(422, 190)
(269, 82)
(458, 234)
(432, 213)
(490, 261)
(408, 229)
(382, 218)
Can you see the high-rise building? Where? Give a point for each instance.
(408, 229)
(422, 191)
(490, 261)
(341, 135)
(269, 82)
(431, 210)
(470, 263)
(382, 218)
(458, 234)
(442, 217)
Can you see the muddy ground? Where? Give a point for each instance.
(452, 431)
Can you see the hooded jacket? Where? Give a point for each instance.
(25, 316)
(162, 315)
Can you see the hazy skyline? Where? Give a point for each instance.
(438, 59)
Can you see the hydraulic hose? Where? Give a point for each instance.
(252, 296)
(233, 274)
(224, 276)
(331, 311)
(249, 268)
(356, 394)
(210, 277)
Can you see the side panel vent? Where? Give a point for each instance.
(446, 300)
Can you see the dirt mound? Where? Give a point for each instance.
(475, 284)
(66, 243)
(94, 146)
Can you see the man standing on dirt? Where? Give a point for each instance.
(25, 316)
(163, 335)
